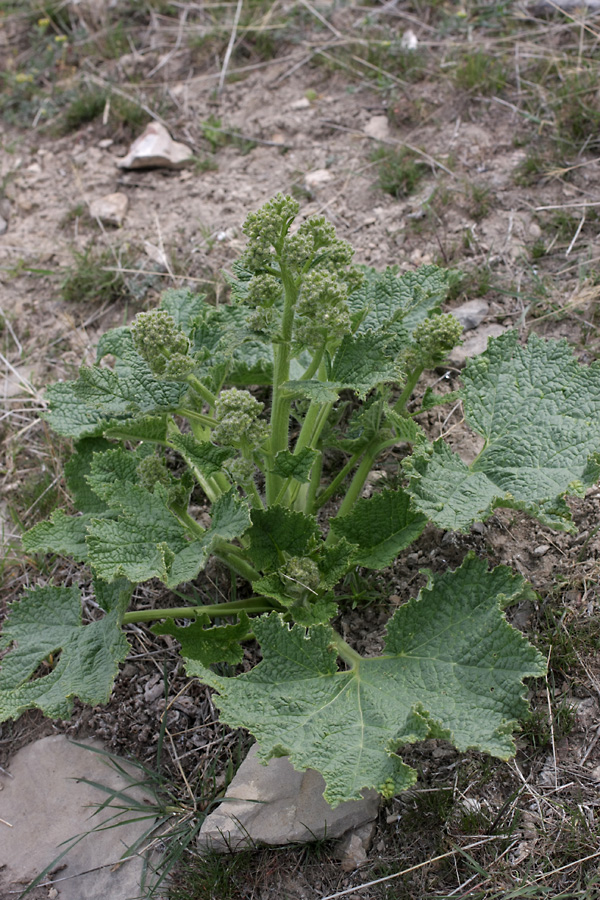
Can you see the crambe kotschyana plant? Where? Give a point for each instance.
(337, 351)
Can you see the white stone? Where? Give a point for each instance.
(275, 804)
(46, 803)
(156, 147)
(475, 344)
(317, 177)
(302, 103)
(409, 40)
(472, 313)
(378, 127)
(110, 209)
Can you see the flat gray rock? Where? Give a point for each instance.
(44, 804)
(475, 344)
(275, 804)
(472, 313)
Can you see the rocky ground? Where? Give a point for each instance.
(461, 134)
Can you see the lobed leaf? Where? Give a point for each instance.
(201, 456)
(380, 527)
(387, 300)
(45, 627)
(452, 667)
(277, 530)
(295, 465)
(84, 408)
(539, 412)
(208, 645)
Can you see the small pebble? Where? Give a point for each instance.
(541, 550)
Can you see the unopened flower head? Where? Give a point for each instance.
(237, 414)
(160, 342)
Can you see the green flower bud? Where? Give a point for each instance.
(301, 574)
(151, 470)
(157, 339)
(264, 290)
(268, 226)
(241, 470)
(237, 414)
(435, 337)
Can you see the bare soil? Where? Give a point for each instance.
(284, 116)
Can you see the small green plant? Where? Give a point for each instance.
(480, 73)
(305, 330)
(92, 277)
(399, 171)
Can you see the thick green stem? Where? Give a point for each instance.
(345, 651)
(206, 421)
(372, 451)
(200, 389)
(229, 554)
(339, 478)
(411, 381)
(315, 482)
(256, 605)
(314, 366)
(280, 409)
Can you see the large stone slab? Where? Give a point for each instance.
(275, 804)
(45, 803)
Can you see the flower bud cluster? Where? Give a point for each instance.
(267, 227)
(301, 574)
(237, 414)
(241, 471)
(151, 470)
(435, 337)
(263, 290)
(322, 308)
(162, 344)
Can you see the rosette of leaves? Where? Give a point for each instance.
(251, 400)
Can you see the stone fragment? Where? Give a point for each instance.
(472, 313)
(275, 804)
(4, 214)
(353, 847)
(378, 127)
(302, 103)
(317, 178)
(541, 550)
(46, 803)
(155, 147)
(475, 344)
(409, 40)
(110, 209)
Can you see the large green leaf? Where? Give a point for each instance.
(387, 299)
(381, 527)
(143, 542)
(452, 667)
(45, 627)
(103, 396)
(278, 530)
(209, 645)
(539, 412)
(60, 534)
(365, 360)
(184, 307)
